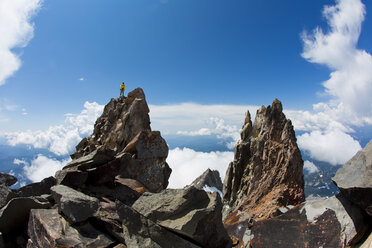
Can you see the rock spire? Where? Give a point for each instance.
(266, 173)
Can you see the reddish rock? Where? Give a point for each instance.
(122, 119)
(266, 173)
(334, 222)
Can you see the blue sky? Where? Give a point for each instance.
(193, 58)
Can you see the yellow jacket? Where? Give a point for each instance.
(122, 86)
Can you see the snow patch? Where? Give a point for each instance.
(212, 189)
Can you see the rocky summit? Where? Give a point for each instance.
(113, 194)
(266, 173)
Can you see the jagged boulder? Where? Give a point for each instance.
(75, 205)
(72, 178)
(152, 173)
(333, 222)
(122, 144)
(354, 179)
(140, 231)
(96, 158)
(190, 212)
(5, 195)
(267, 169)
(122, 119)
(7, 180)
(210, 180)
(14, 217)
(36, 189)
(48, 229)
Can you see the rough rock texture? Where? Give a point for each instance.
(121, 121)
(89, 201)
(5, 195)
(75, 205)
(122, 144)
(140, 231)
(334, 222)
(191, 212)
(36, 189)
(354, 179)
(14, 217)
(48, 229)
(210, 178)
(7, 180)
(267, 169)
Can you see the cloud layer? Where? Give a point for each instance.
(188, 164)
(61, 139)
(41, 167)
(16, 30)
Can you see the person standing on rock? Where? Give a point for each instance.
(122, 88)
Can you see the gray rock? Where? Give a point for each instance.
(96, 158)
(47, 228)
(71, 178)
(122, 119)
(119, 192)
(14, 215)
(191, 212)
(152, 173)
(108, 220)
(106, 173)
(334, 222)
(266, 172)
(210, 178)
(140, 231)
(75, 205)
(5, 195)
(36, 189)
(7, 180)
(148, 144)
(354, 179)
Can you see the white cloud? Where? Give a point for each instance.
(16, 31)
(81, 79)
(20, 162)
(219, 129)
(349, 86)
(61, 139)
(350, 82)
(310, 167)
(335, 147)
(43, 167)
(191, 118)
(188, 164)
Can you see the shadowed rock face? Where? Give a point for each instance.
(122, 119)
(210, 178)
(333, 222)
(354, 179)
(267, 169)
(122, 144)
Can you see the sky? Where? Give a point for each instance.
(202, 65)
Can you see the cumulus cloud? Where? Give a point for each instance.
(335, 147)
(190, 118)
(349, 86)
(16, 31)
(42, 167)
(310, 167)
(61, 139)
(220, 129)
(350, 82)
(188, 164)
